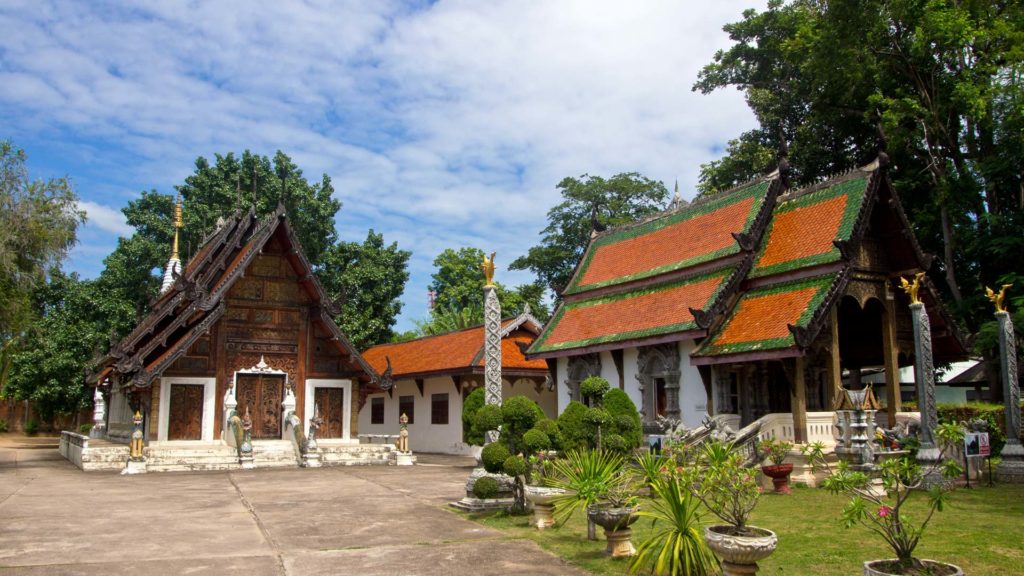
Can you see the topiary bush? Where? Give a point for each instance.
(550, 428)
(625, 416)
(85, 428)
(518, 414)
(514, 466)
(493, 457)
(571, 428)
(485, 487)
(473, 402)
(488, 417)
(536, 441)
(615, 443)
(593, 388)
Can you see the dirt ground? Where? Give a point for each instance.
(56, 519)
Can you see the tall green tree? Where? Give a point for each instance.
(458, 283)
(367, 280)
(617, 200)
(941, 79)
(38, 223)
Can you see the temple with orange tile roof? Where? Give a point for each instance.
(753, 301)
(431, 376)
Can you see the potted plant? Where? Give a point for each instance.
(586, 476)
(615, 511)
(675, 544)
(775, 451)
(542, 497)
(730, 491)
(882, 511)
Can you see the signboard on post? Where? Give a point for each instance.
(976, 444)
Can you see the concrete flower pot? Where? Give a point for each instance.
(891, 567)
(740, 553)
(543, 499)
(616, 523)
(779, 473)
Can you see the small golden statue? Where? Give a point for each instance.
(998, 299)
(488, 267)
(402, 444)
(135, 446)
(911, 288)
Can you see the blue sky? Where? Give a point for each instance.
(443, 124)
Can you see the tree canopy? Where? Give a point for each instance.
(937, 82)
(617, 200)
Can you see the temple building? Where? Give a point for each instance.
(244, 325)
(433, 375)
(754, 301)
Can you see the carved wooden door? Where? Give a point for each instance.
(186, 412)
(332, 409)
(262, 395)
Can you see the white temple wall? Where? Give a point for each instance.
(561, 390)
(423, 436)
(693, 400)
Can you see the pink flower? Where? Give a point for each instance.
(884, 511)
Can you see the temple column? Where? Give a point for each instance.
(929, 454)
(835, 367)
(799, 402)
(99, 415)
(1011, 469)
(892, 369)
(492, 351)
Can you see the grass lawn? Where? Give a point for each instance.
(981, 530)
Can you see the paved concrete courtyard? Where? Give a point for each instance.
(56, 519)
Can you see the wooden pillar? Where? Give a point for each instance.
(892, 369)
(835, 363)
(799, 403)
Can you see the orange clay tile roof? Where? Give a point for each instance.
(761, 318)
(802, 229)
(451, 352)
(692, 235)
(640, 313)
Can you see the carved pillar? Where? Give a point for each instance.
(1011, 469)
(892, 369)
(799, 403)
(492, 352)
(924, 376)
(99, 414)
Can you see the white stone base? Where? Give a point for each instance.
(1011, 469)
(134, 467)
(246, 462)
(404, 459)
(311, 460)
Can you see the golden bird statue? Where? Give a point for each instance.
(998, 299)
(911, 288)
(488, 267)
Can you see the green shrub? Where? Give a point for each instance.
(85, 428)
(571, 428)
(536, 441)
(485, 487)
(487, 418)
(493, 457)
(473, 402)
(615, 443)
(3, 425)
(625, 415)
(518, 414)
(593, 388)
(515, 466)
(31, 427)
(550, 429)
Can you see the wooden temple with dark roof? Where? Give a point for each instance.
(246, 316)
(433, 375)
(752, 301)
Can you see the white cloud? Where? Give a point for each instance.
(442, 125)
(105, 218)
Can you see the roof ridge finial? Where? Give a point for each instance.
(176, 224)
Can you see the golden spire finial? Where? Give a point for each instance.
(177, 225)
(998, 299)
(911, 288)
(488, 267)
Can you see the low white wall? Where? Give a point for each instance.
(72, 446)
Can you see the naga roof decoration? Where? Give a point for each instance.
(196, 301)
(460, 352)
(699, 232)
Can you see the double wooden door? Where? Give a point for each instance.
(185, 421)
(331, 403)
(262, 394)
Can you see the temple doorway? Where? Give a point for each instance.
(262, 394)
(331, 404)
(186, 412)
